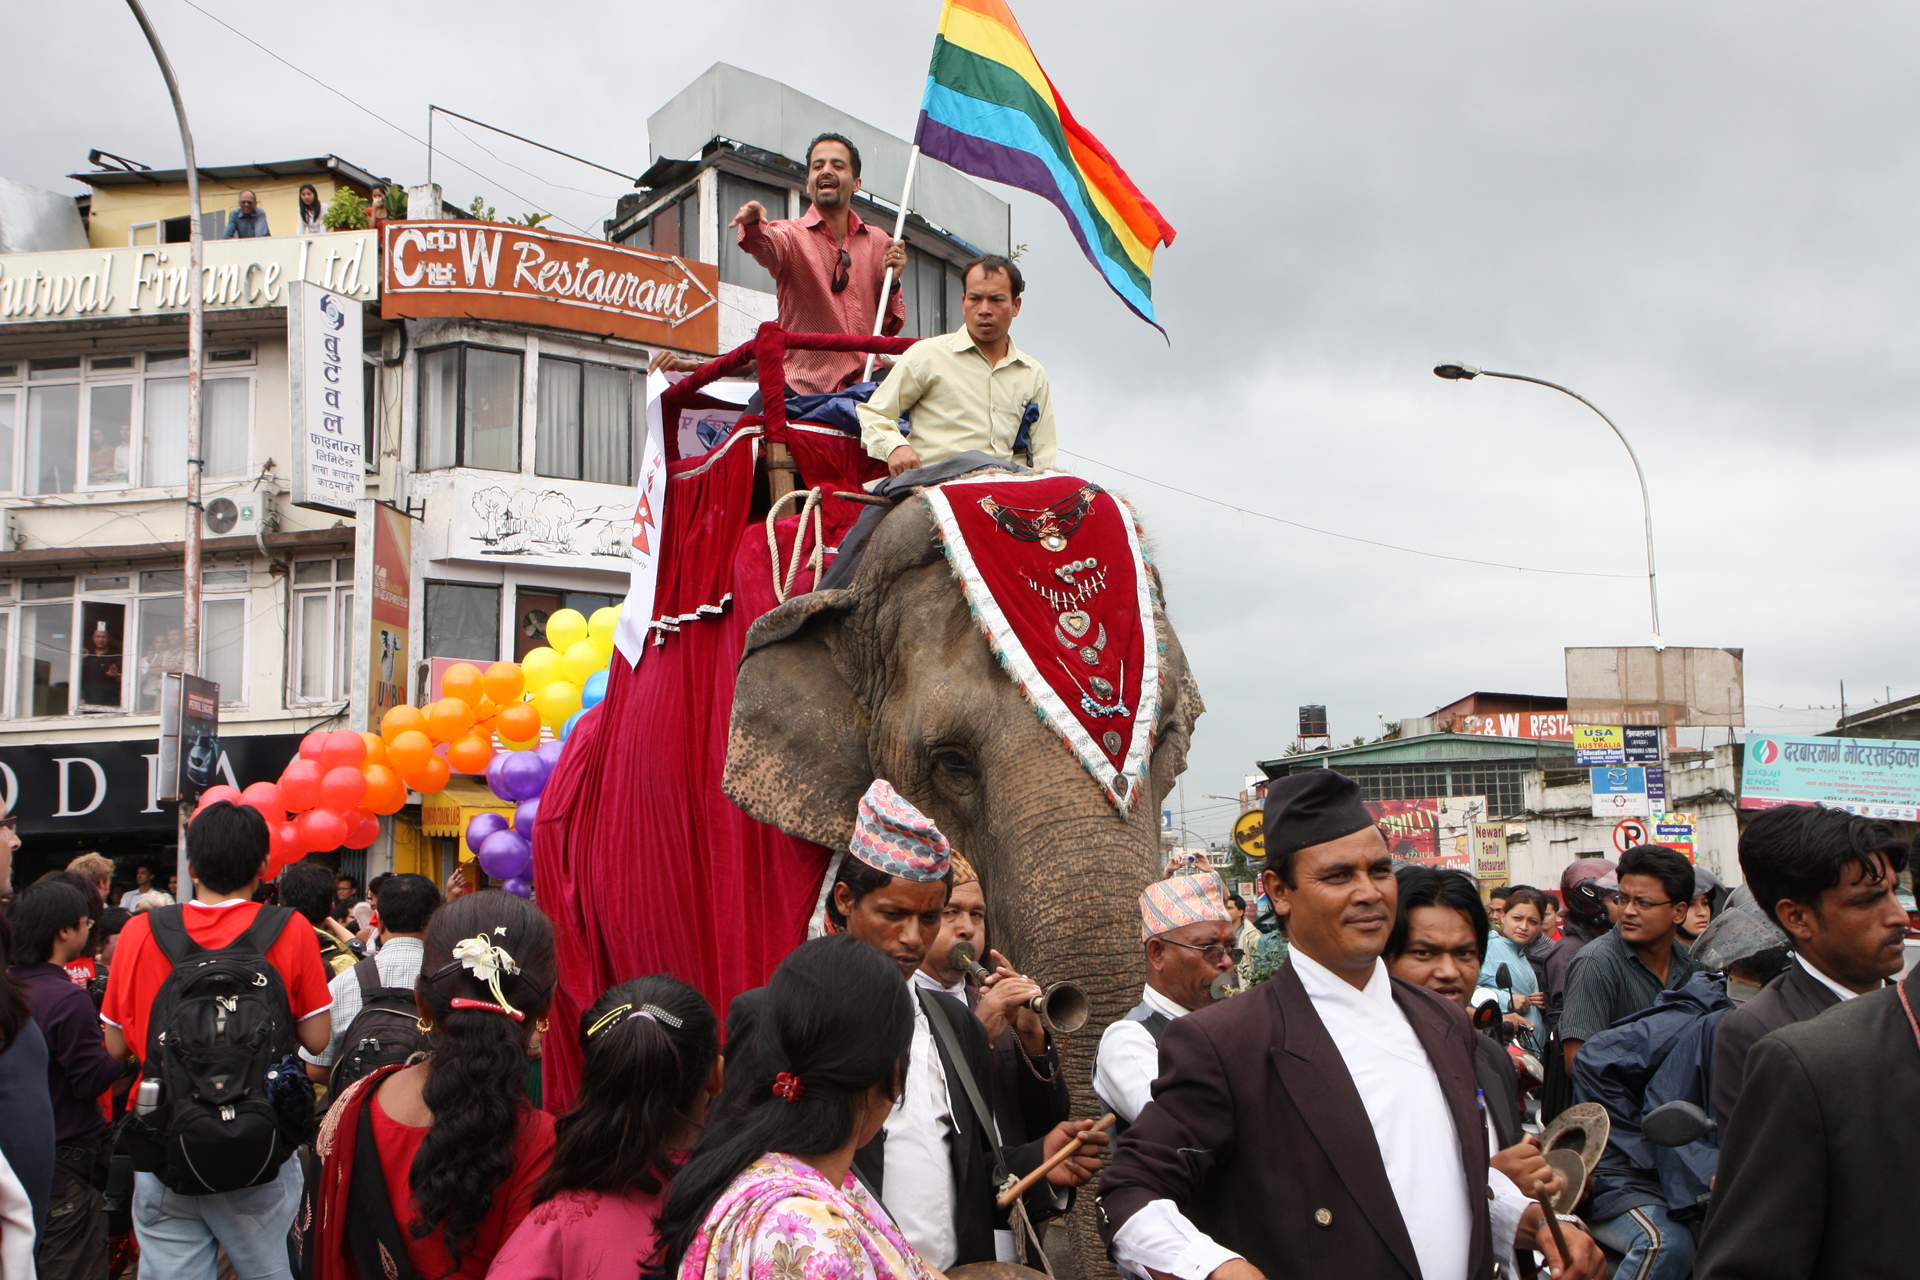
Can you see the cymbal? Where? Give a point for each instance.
(1580, 1131)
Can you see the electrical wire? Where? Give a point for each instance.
(530, 173)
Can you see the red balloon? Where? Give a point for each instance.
(266, 797)
(366, 834)
(343, 749)
(321, 830)
(343, 788)
(300, 785)
(272, 872)
(313, 744)
(214, 795)
(290, 840)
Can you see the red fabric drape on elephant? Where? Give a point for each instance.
(642, 862)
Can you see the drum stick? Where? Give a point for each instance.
(1553, 1222)
(1053, 1161)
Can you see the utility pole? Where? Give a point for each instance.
(196, 341)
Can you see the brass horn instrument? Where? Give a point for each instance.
(1062, 1007)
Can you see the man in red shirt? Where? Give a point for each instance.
(827, 266)
(227, 850)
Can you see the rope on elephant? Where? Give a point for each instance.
(782, 588)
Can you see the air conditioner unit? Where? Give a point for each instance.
(237, 513)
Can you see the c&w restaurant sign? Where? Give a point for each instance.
(92, 788)
(496, 271)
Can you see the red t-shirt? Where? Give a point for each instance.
(80, 970)
(399, 1143)
(140, 967)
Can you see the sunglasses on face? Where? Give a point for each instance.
(842, 273)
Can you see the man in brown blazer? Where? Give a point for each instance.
(1326, 1123)
(1827, 877)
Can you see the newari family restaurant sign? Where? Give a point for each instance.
(493, 271)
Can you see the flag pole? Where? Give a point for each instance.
(886, 282)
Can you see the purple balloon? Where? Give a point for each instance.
(493, 769)
(521, 776)
(482, 826)
(520, 886)
(550, 752)
(525, 816)
(506, 854)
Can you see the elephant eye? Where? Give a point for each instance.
(953, 767)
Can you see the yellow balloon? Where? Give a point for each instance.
(565, 629)
(511, 745)
(556, 702)
(581, 661)
(600, 626)
(604, 650)
(541, 667)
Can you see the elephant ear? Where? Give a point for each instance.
(797, 742)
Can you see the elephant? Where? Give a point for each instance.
(889, 676)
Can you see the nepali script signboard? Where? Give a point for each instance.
(324, 390)
(1874, 777)
(526, 275)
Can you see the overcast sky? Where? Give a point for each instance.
(1700, 216)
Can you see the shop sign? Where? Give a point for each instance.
(142, 280)
(382, 606)
(1620, 793)
(1437, 831)
(1490, 854)
(1550, 725)
(526, 275)
(1598, 744)
(325, 388)
(1875, 777)
(1642, 744)
(97, 788)
(1675, 831)
(1249, 832)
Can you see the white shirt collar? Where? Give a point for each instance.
(921, 978)
(1323, 983)
(1160, 1004)
(1824, 980)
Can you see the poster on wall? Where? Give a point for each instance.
(382, 603)
(189, 736)
(1436, 830)
(328, 417)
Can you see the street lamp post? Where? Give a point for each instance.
(196, 306)
(1456, 372)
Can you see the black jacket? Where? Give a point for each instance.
(975, 1215)
(1794, 996)
(1819, 1163)
(1500, 1084)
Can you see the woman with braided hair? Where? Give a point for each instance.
(769, 1190)
(650, 1055)
(428, 1167)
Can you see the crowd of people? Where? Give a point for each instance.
(249, 1083)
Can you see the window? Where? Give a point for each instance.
(470, 408)
(533, 608)
(933, 292)
(97, 423)
(585, 428)
(463, 621)
(319, 668)
(673, 228)
(736, 264)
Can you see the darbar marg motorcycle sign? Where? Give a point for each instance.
(494, 271)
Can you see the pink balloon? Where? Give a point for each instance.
(343, 788)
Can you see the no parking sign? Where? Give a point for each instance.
(1629, 832)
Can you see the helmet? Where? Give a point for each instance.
(1742, 935)
(1579, 890)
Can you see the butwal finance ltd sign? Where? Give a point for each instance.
(494, 271)
(141, 280)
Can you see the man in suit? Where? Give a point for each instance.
(1818, 1166)
(1326, 1123)
(936, 1163)
(1826, 877)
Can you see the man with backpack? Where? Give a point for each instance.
(211, 996)
(374, 1015)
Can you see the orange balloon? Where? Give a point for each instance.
(449, 719)
(399, 720)
(504, 683)
(432, 778)
(408, 753)
(470, 754)
(385, 792)
(464, 681)
(517, 723)
(376, 748)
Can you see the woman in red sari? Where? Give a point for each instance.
(428, 1168)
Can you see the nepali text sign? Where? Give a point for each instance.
(1876, 777)
(325, 393)
(492, 271)
(141, 280)
(1620, 793)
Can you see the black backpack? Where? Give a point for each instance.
(386, 1031)
(219, 1023)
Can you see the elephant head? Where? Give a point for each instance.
(890, 677)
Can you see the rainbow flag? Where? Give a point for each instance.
(990, 111)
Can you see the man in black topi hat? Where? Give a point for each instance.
(1327, 1122)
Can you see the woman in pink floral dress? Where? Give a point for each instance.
(769, 1193)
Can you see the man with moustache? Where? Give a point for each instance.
(827, 267)
(937, 1162)
(1326, 1123)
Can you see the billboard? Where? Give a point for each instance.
(382, 603)
(1647, 686)
(1551, 725)
(1436, 830)
(1875, 777)
(325, 393)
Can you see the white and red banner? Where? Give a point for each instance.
(650, 507)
